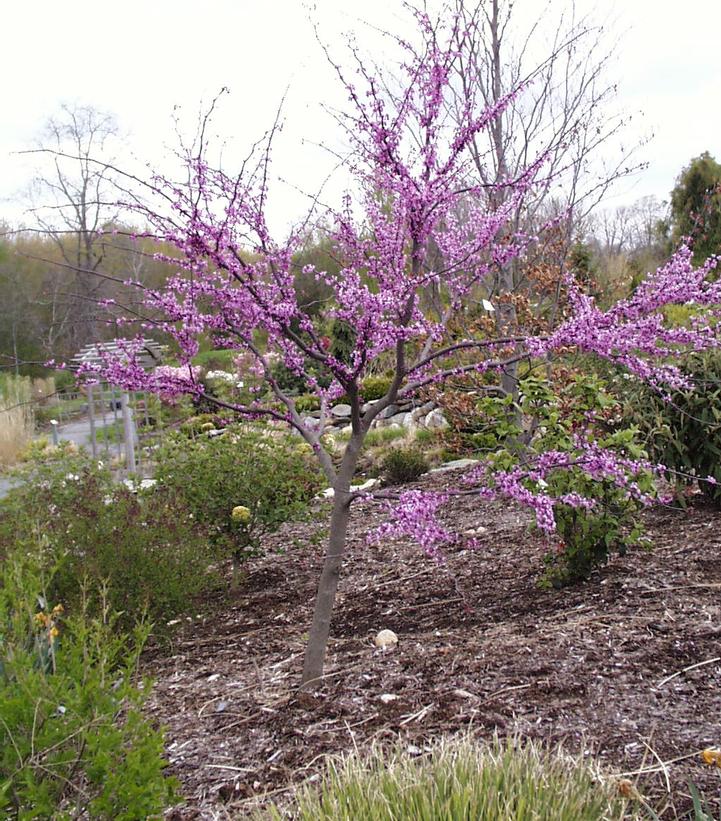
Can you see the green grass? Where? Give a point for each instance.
(383, 436)
(216, 360)
(461, 780)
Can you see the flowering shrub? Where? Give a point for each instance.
(270, 475)
(73, 741)
(598, 478)
(585, 481)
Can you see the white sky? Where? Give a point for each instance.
(140, 58)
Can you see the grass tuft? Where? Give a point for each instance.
(458, 780)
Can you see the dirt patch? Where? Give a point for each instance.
(481, 648)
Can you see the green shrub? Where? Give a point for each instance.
(147, 548)
(73, 741)
(458, 781)
(271, 474)
(307, 403)
(199, 424)
(683, 432)
(402, 465)
(375, 387)
(551, 421)
(586, 537)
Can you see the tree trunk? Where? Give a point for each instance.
(320, 629)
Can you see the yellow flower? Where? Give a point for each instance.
(54, 632)
(711, 755)
(58, 609)
(240, 514)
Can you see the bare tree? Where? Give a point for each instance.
(564, 112)
(74, 190)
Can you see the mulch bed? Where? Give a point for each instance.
(481, 648)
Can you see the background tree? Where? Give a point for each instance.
(565, 111)
(77, 203)
(696, 206)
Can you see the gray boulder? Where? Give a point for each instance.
(341, 411)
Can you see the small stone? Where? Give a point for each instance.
(386, 640)
(341, 411)
(386, 698)
(476, 531)
(463, 694)
(386, 413)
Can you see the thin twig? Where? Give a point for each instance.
(686, 670)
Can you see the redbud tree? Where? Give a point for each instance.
(412, 224)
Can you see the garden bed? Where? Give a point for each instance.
(599, 666)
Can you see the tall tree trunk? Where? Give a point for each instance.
(327, 587)
(328, 584)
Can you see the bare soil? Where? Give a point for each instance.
(600, 667)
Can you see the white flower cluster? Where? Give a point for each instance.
(222, 375)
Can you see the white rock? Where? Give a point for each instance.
(456, 464)
(436, 420)
(369, 484)
(386, 640)
(476, 531)
(386, 698)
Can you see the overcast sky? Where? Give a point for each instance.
(141, 58)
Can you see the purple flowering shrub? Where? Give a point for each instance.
(585, 480)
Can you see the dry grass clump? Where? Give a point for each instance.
(17, 424)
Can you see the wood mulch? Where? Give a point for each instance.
(619, 668)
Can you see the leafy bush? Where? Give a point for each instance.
(73, 741)
(402, 465)
(307, 402)
(375, 387)
(586, 536)
(461, 780)
(199, 424)
(146, 548)
(552, 420)
(683, 431)
(273, 475)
